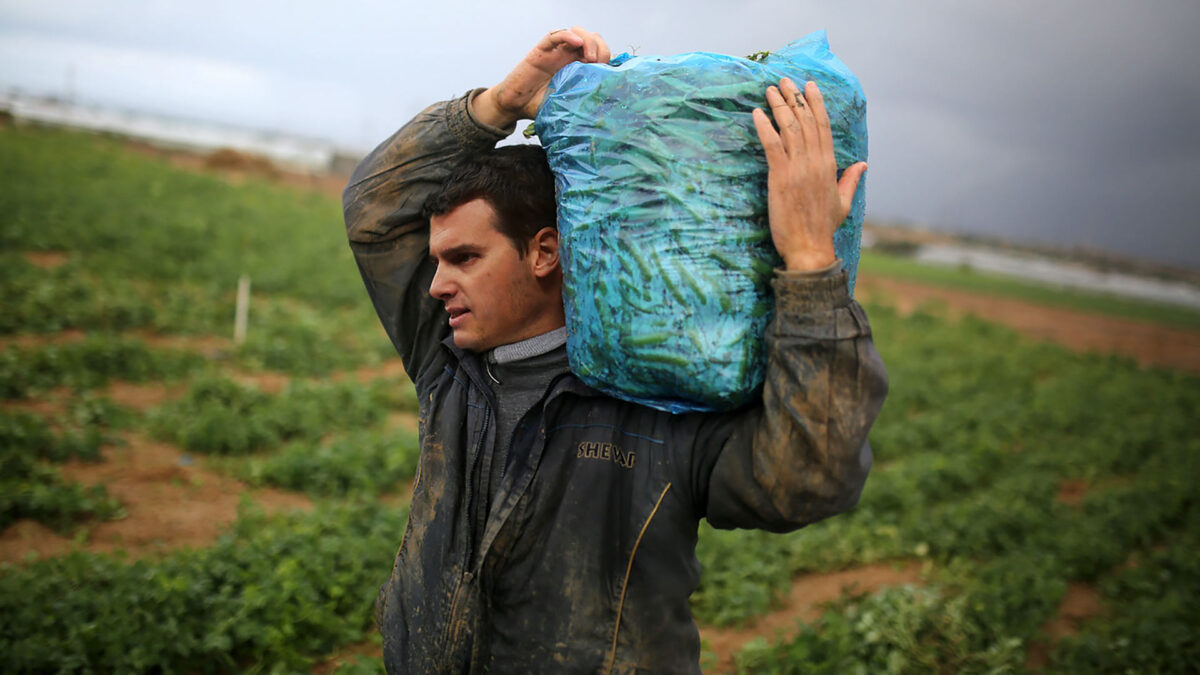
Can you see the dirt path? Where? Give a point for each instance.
(172, 500)
(806, 600)
(1147, 343)
(1080, 603)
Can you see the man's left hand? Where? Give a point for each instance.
(805, 199)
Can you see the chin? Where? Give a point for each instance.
(469, 343)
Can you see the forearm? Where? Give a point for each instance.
(803, 455)
(384, 196)
(389, 237)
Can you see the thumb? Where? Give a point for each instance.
(848, 183)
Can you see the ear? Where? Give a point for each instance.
(543, 252)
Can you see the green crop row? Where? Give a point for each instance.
(976, 441)
(1152, 627)
(357, 463)
(900, 630)
(981, 618)
(76, 434)
(284, 335)
(89, 363)
(219, 416)
(271, 595)
(45, 301)
(138, 217)
(30, 488)
(297, 338)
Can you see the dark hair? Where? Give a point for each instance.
(515, 180)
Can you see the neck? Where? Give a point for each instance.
(529, 347)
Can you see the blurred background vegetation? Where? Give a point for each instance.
(1012, 477)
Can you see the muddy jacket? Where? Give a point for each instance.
(587, 557)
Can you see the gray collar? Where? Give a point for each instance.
(528, 348)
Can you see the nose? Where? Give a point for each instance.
(441, 286)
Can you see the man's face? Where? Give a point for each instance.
(493, 295)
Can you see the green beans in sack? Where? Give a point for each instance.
(662, 211)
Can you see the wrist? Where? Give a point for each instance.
(809, 261)
(487, 110)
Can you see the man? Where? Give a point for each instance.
(553, 528)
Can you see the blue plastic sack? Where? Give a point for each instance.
(662, 212)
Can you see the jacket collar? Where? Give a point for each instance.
(473, 364)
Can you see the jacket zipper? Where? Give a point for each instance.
(476, 471)
(454, 630)
(612, 655)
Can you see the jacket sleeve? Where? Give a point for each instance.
(382, 205)
(802, 454)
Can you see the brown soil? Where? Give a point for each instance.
(1147, 343)
(48, 405)
(347, 655)
(172, 501)
(389, 368)
(30, 340)
(273, 383)
(236, 167)
(142, 396)
(805, 604)
(210, 346)
(46, 260)
(1071, 492)
(266, 382)
(230, 160)
(402, 420)
(1080, 603)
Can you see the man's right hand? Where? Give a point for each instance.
(521, 92)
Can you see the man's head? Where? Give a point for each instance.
(493, 235)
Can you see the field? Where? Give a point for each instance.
(174, 501)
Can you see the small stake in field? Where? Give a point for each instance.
(243, 310)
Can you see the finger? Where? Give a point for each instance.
(816, 103)
(768, 137)
(590, 48)
(562, 36)
(595, 49)
(785, 118)
(795, 99)
(791, 94)
(848, 184)
(604, 54)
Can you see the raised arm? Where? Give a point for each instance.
(801, 455)
(382, 205)
(383, 201)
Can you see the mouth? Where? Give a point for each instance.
(457, 315)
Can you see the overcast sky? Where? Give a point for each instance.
(1072, 122)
